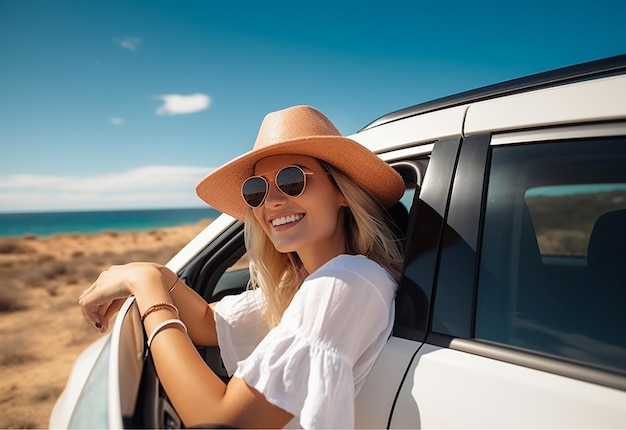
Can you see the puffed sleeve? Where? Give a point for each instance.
(313, 363)
(239, 325)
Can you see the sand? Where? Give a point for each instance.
(42, 330)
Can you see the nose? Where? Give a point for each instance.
(274, 196)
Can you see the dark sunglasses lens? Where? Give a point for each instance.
(253, 191)
(290, 180)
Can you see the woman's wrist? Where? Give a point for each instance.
(169, 278)
(146, 278)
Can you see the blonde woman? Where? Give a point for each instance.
(324, 264)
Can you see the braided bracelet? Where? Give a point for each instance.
(163, 325)
(158, 306)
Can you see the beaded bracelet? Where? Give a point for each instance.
(164, 324)
(158, 306)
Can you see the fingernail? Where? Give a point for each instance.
(98, 325)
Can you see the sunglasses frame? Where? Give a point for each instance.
(267, 184)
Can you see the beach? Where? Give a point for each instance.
(42, 329)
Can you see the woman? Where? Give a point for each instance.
(323, 264)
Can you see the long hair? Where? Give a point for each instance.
(280, 275)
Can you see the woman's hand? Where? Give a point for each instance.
(106, 295)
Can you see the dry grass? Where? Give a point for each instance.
(50, 272)
(41, 327)
(10, 299)
(15, 246)
(15, 350)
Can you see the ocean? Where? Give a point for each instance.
(50, 223)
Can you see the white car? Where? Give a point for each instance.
(510, 311)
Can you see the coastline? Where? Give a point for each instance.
(42, 329)
(44, 224)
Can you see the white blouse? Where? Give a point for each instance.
(314, 362)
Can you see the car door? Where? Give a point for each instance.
(521, 331)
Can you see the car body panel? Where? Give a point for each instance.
(446, 388)
(582, 102)
(66, 403)
(198, 243)
(104, 383)
(413, 131)
(374, 403)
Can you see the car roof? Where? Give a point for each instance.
(590, 70)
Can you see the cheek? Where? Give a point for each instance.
(328, 217)
(332, 217)
(258, 215)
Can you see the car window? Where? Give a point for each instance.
(552, 277)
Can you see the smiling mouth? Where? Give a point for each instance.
(286, 219)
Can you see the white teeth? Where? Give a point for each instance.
(286, 219)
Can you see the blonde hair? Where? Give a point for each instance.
(280, 275)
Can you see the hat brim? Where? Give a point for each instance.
(221, 189)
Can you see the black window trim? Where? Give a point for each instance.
(422, 247)
(459, 250)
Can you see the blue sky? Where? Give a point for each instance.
(127, 104)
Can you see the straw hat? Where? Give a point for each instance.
(300, 130)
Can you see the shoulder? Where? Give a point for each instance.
(357, 265)
(328, 308)
(356, 271)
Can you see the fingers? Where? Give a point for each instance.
(96, 318)
(103, 298)
(114, 308)
(93, 314)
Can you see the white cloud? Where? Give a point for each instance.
(129, 42)
(143, 187)
(117, 121)
(177, 104)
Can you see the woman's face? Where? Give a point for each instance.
(310, 224)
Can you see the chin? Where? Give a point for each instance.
(284, 249)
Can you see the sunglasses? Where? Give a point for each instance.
(290, 180)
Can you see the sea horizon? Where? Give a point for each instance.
(42, 224)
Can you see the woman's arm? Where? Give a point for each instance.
(194, 310)
(199, 396)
